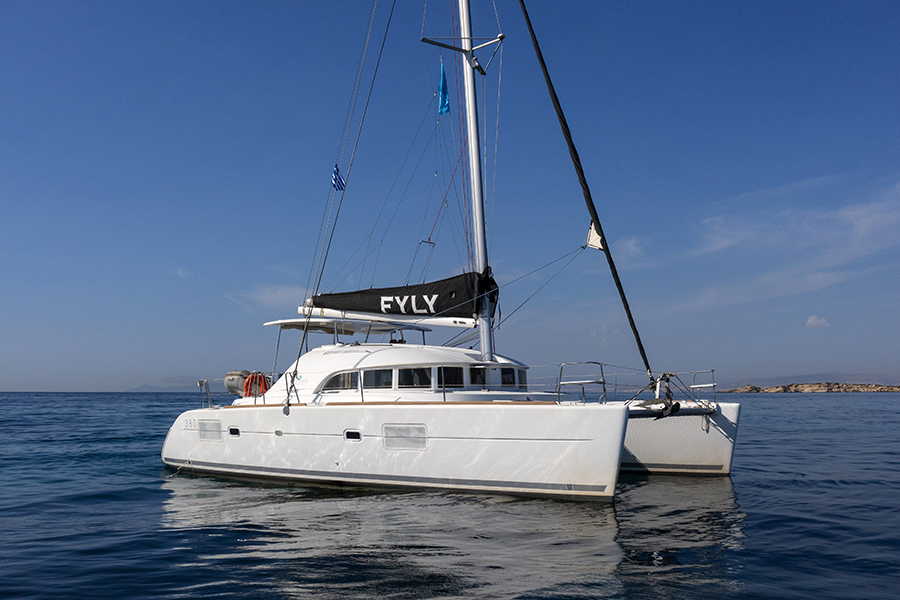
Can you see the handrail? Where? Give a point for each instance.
(697, 386)
(582, 383)
(203, 384)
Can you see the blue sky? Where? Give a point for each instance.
(164, 168)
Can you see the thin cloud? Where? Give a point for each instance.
(805, 249)
(182, 273)
(268, 297)
(790, 190)
(814, 322)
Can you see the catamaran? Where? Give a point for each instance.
(410, 415)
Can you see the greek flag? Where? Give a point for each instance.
(444, 104)
(337, 182)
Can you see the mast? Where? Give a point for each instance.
(479, 230)
(475, 178)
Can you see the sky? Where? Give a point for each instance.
(165, 167)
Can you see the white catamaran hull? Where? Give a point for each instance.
(517, 447)
(682, 444)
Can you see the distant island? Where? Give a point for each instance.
(813, 388)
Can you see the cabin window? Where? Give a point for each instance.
(378, 378)
(523, 380)
(414, 378)
(477, 375)
(404, 436)
(210, 431)
(451, 377)
(343, 381)
(508, 376)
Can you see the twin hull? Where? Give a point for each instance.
(520, 448)
(691, 442)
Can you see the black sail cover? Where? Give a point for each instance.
(452, 297)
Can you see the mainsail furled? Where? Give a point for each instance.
(457, 296)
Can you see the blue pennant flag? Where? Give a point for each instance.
(444, 104)
(336, 180)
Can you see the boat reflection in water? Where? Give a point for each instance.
(680, 530)
(327, 542)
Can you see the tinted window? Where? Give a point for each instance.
(508, 376)
(343, 381)
(420, 378)
(451, 377)
(523, 380)
(380, 378)
(476, 374)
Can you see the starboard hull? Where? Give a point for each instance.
(519, 448)
(691, 442)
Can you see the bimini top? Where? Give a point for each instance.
(346, 326)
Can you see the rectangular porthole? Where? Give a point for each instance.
(352, 436)
(210, 431)
(234, 432)
(404, 436)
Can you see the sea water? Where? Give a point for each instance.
(87, 510)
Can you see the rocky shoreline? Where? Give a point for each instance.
(813, 388)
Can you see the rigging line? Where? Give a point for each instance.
(354, 95)
(427, 263)
(453, 138)
(444, 152)
(577, 251)
(576, 162)
(348, 119)
(464, 265)
(496, 138)
(424, 12)
(334, 279)
(460, 206)
(537, 291)
(464, 221)
(444, 199)
(470, 337)
(412, 264)
(483, 151)
(497, 16)
(454, 236)
(458, 62)
(375, 268)
(338, 276)
(394, 183)
(421, 228)
(403, 195)
(356, 143)
(555, 260)
(428, 204)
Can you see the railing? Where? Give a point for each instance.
(206, 395)
(203, 384)
(696, 388)
(560, 382)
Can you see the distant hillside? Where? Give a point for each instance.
(859, 378)
(814, 388)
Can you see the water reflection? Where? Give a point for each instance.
(680, 531)
(300, 542)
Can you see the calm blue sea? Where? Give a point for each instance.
(87, 510)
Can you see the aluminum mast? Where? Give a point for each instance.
(478, 225)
